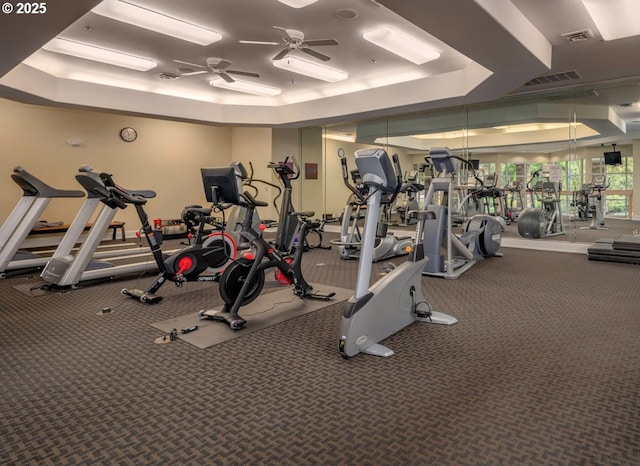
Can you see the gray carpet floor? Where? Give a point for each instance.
(543, 368)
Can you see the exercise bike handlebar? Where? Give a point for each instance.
(253, 201)
(284, 169)
(122, 196)
(600, 187)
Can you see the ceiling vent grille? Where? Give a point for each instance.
(574, 95)
(578, 36)
(554, 78)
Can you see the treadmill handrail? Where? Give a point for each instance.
(32, 186)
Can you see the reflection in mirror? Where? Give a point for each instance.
(566, 132)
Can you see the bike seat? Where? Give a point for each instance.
(198, 210)
(306, 213)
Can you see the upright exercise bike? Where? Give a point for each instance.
(396, 300)
(242, 281)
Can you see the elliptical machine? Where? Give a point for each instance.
(242, 281)
(410, 190)
(482, 234)
(351, 238)
(396, 300)
(547, 221)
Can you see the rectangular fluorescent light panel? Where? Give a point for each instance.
(401, 44)
(311, 69)
(297, 3)
(339, 137)
(247, 87)
(154, 21)
(90, 52)
(615, 19)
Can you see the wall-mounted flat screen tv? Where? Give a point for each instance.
(613, 158)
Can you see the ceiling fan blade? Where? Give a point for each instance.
(226, 77)
(258, 42)
(187, 63)
(223, 64)
(243, 73)
(313, 53)
(283, 53)
(317, 42)
(284, 30)
(193, 73)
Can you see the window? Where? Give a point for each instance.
(619, 178)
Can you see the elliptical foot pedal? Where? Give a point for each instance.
(235, 322)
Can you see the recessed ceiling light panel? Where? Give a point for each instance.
(149, 19)
(309, 68)
(246, 87)
(91, 52)
(402, 44)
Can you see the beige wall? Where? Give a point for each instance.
(165, 158)
(312, 192)
(335, 190)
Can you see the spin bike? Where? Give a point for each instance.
(243, 280)
(378, 311)
(187, 265)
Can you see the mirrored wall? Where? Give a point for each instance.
(572, 150)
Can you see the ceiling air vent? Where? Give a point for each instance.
(554, 78)
(578, 36)
(168, 76)
(580, 94)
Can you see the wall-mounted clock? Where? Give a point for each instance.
(128, 134)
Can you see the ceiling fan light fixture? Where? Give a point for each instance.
(149, 19)
(401, 44)
(246, 87)
(615, 19)
(297, 3)
(91, 52)
(311, 69)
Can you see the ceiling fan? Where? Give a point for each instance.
(294, 40)
(217, 66)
